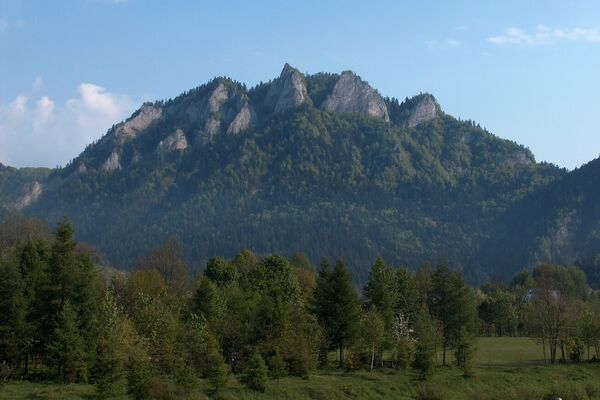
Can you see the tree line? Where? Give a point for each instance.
(156, 332)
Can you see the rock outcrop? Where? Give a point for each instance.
(242, 120)
(287, 91)
(112, 163)
(174, 142)
(139, 122)
(32, 193)
(425, 109)
(353, 95)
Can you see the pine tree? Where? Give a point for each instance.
(425, 349)
(65, 348)
(381, 290)
(12, 314)
(217, 371)
(256, 373)
(207, 302)
(451, 301)
(465, 351)
(109, 372)
(344, 309)
(320, 307)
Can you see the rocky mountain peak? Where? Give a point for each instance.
(287, 91)
(139, 122)
(425, 108)
(353, 95)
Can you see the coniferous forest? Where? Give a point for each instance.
(254, 321)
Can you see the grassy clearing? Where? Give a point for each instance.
(506, 369)
(505, 351)
(531, 383)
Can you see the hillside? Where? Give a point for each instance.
(559, 222)
(20, 187)
(316, 163)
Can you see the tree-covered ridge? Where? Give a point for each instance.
(302, 181)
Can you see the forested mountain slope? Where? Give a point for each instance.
(559, 222)
(316, 163)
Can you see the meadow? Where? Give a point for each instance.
(506, 368)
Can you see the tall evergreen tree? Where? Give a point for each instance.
(109, 372)
(381, 291)
(12, 314)
(425, 349)
(344, 309)
(65, 349)
(452, 302)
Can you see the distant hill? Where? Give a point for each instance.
(559, 222)
(316, 163)
(20, 187)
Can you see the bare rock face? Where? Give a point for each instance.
(242, 120)
(287, 91)
(146, 115)
(353, 95)
(519, 158)
(112, 163)
(32, 194)
(426, 109)
(174, 142)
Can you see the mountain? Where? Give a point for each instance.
(320, 163)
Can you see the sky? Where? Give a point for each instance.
(528, 71)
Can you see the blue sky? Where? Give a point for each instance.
(527, 70)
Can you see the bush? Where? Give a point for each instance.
(277, 367)
(6, 372)
(256, 374)
(162, 388)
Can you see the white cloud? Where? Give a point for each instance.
(444, 44)
(543, 35)
(42, 132)
(98, 99)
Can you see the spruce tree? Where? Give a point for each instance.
(344, 309)
(321, 309)
(425, 349)
(65, 348)
(207, 302)
(109, 372)
(217, 370)
(465, 351)
(256, 373)
(12, 314)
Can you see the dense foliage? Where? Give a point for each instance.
(325, 184)
(156, 333)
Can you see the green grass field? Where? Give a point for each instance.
(506, 369)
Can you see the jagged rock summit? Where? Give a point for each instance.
(287, 91)
(425, 109)
(353, 95)
(225, 107)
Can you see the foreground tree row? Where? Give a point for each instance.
(155, 332)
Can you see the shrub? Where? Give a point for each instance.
(256, 374)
